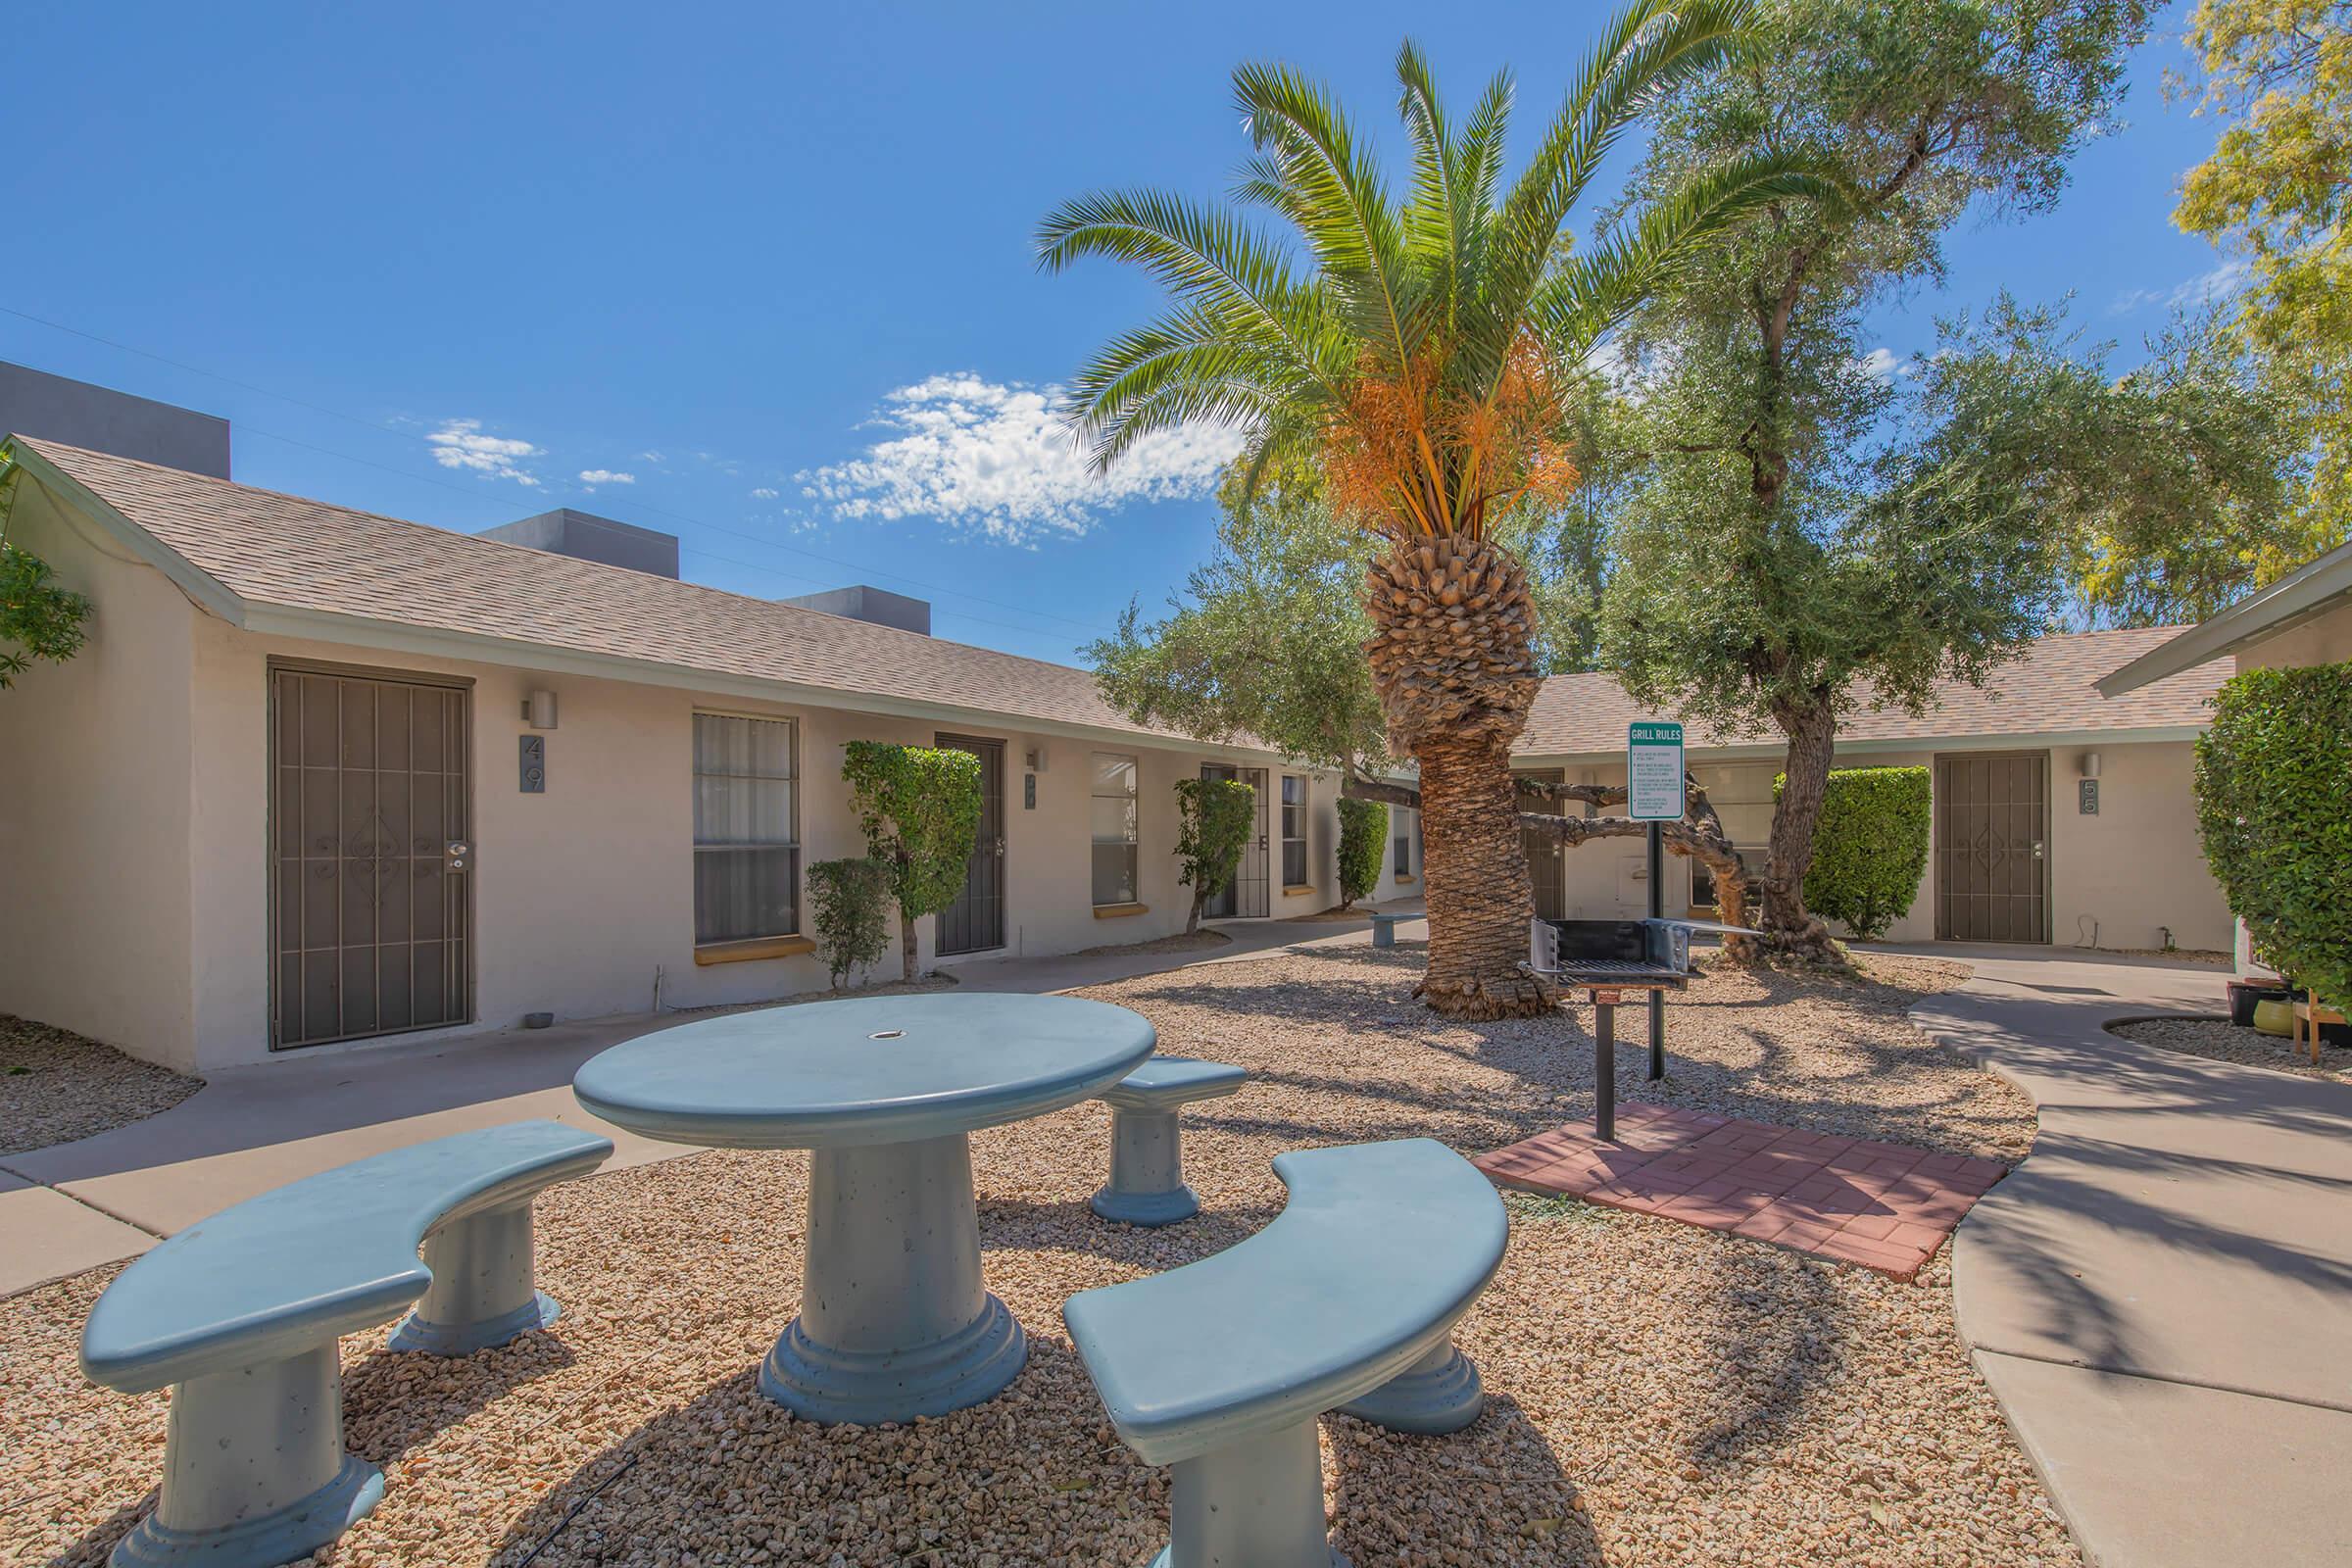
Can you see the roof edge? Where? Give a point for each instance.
(2023, 741)
(205, 591)
(391, 636)
(2294, 598)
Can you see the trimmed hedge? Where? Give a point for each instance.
(2274, 787)
(1363, 840)
(1215, 819)
(1870, 847)
(919, 809)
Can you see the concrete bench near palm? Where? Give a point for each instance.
(1220, 1368)
(239, 1313)
(1146, 1185)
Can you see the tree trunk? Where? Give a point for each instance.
(1192, 922)
(1788, 926)
(906, 944)
(1475, 883)
(1454, 661)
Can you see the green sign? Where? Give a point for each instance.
(1653, 770)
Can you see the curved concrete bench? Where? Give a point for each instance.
(1220, 1367)
(1147, 1152)
(239, 1314)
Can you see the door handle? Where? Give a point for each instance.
(999, 848)
(456, 855)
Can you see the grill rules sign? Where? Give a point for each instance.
(1653, 770)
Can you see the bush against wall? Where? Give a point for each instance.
(38, 620)
(850, 909)
(2274, 786)
(1363, 840)
(921, 810)
(1214, 820)
(1870, 849)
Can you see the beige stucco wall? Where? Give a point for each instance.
(2322, 640)
(95, 827)
(134, 814)
(2134, 869)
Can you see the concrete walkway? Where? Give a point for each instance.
(2162, 1295)
(73, 1206)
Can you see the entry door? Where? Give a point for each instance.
(370, 906)
(1546, 855)
(1993, 834)
(1247, 896)
(975, 921)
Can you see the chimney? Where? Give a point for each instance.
(585, 536)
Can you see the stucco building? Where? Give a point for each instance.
(321, 775)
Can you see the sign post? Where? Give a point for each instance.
(1654, 794)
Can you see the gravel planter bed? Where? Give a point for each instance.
(1659, 1394)
(2223, 1041)
(54, 1087)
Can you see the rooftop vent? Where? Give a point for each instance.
(585, 536)
(879, 606)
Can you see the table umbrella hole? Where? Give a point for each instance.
(887, 1034)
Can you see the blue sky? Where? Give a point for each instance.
(686, 266)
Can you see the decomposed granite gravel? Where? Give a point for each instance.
(54, 1087)
(2223, 1041)
(1660, 1394)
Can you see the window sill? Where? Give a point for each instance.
(1293, 890)
(1120, 911)
(1405, 878)
(756, 949)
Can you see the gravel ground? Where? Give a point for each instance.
(54, 1087)
(1659, 1394)
(2224, 1041)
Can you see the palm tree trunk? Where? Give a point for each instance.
(1452, 659)
(1475, 882)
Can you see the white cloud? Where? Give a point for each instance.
(605, 476)
(2199, 291)
(763, 493)
(994, 459)
(649, 457)
(1881, 365)
(461, 444)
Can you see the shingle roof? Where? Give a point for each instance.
(281, 550)
(2050, 691)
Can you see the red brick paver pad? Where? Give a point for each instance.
(1885, 1206)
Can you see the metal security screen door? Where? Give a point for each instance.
(1992, 831)
(370, 858)
(1247, 896)
(975, 921)
(1546, 854)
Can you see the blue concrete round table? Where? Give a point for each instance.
(895, 1320)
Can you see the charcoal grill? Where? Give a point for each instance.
(1606, 959)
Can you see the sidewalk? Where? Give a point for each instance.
(73, 1206)
(2162, 1295)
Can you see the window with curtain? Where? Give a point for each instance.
(747, 858)
(1294, 830)
(1114, 829)
(1402, 820)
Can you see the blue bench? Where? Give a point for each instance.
(1147, 1155)
(1384, 926)
(1219, 1368)
(239, 1313)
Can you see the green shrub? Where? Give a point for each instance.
(921, 810)
(1216, 818)
(1363, 840)
(2274, 811)
(38, 618)
(1870, 847)
(849, 902)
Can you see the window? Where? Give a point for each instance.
(1294, 831)
(747, 858)
(1401, 822)
(1115, 829)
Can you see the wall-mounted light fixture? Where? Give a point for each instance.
(2090, 764)
(539, 710)
(1034, 758)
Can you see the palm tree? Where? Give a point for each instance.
(1418, 360)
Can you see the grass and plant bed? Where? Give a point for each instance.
(1660, 1393)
